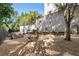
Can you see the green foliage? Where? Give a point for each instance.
(9, 19)
(13, 22)
(6, 11)
(29, 18)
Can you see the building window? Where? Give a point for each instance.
(39, 21)
(46, 28)
(47, 4)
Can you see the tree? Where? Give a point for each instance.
(70, 10)
(34, 15)
(11, 22)
(29, 18)
(6, 11)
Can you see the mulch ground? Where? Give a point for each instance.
(49, 45)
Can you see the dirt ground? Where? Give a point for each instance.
(45, 45)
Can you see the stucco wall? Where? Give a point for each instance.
(54, 22)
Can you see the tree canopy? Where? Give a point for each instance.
(29, 18)
(6, 11)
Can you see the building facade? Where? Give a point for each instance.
(49, 7)
(53, 21)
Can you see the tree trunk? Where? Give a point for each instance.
(77, 29)
(68, 38)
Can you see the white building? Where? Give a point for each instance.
(27, 28)
(23, 29)
(53, 20)
(49, 7)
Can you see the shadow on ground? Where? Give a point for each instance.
(48, 45)
(66, 48)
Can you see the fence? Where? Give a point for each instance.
(3, 35)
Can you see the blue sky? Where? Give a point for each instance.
(25, 7)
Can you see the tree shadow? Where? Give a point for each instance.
(24, 48)
(66, 47)
(58, 47)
